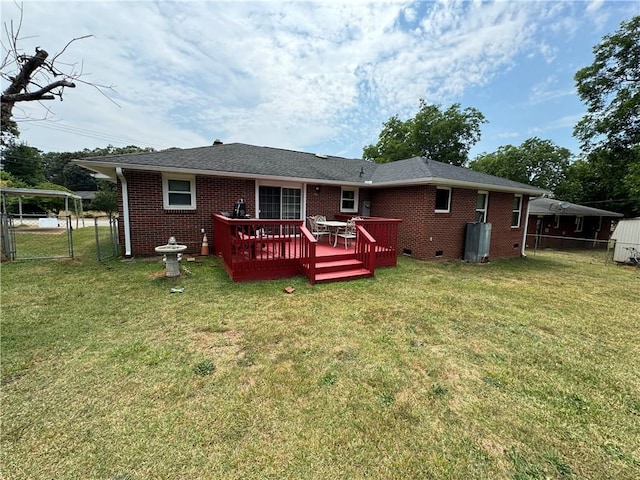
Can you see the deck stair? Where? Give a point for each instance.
(340, 268)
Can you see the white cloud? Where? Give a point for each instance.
(286, 75)
(548, 90)
(502, 135)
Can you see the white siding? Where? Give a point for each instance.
(626, 234)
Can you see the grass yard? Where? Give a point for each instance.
(519, 369)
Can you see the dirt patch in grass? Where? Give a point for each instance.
(225, 349)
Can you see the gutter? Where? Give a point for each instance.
(125, 212)
(524, 230)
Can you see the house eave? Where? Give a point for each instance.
(447, 182)
(110, 169)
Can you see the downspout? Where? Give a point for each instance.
(125, 212)
(526, 226)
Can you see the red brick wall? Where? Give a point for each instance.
(426, 233)
(505, 241)
(325, 201)
(152, 225)
(422, 231)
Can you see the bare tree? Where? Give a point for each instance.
(34, 77)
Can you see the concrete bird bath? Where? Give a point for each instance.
(170, 252)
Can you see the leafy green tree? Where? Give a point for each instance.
(445, 136)
(394, 142)
(579, 184)
(105, 201)
(610, 87)
(23, 162)
(9, 181)
(60, 169)
(49, 204)
(537, 162)
(610, 131)
(632, 181)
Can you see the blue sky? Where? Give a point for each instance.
(312, 76)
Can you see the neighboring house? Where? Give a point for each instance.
(87, 197)
(554, 223)
(175, 192)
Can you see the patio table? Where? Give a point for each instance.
(334, 226)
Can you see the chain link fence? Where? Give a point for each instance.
(106, 231)
(600, 248)
(31, 237)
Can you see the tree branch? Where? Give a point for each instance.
(23, 78)
(67, 45)
(38, 94)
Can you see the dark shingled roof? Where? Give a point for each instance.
(553, 206)
(417, 168)
(242, 159)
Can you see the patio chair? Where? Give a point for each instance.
(318, 230)
(347, 233)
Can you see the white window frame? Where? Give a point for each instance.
(519, 210)
(556, 224)
(166, 177)
(484, 210)
(355, 191)
(448, 209)
(579, 223)
(291, 185)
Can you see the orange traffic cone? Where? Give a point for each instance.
(204, 251)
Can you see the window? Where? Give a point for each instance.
(517, 211)
(443, 199)
(279, 202)
(349, 200)
(556, 225)
(579, 223)
(179, 192)
(291, 203)
(481, 206)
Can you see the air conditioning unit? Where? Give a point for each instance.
(477, 242)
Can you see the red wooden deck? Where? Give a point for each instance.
(256, 249)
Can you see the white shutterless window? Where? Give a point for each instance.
(443, 200)
(482, 205)
(349, 200)
(516, 211)
(179, 192)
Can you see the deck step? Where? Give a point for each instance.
(338, 265)
(343, 275)
(340, 270)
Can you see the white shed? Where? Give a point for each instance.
(626, 235)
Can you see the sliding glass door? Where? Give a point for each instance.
(282, 203)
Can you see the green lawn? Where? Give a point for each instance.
(523, 369)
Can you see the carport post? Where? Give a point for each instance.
(20, 208)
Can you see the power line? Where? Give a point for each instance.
(83, 132)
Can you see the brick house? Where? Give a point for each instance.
(175, 192)
(557, 224)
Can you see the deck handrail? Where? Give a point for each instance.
(385, 233)
(366, 248)
(309, 243)
(267, 246)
